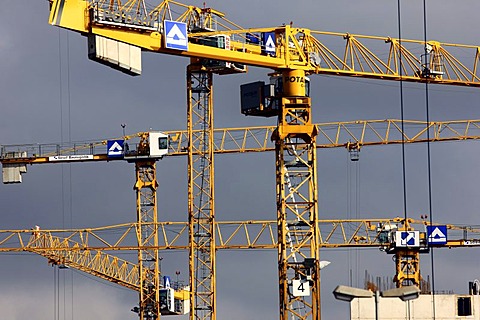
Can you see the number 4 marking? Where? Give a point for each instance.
(300, 288)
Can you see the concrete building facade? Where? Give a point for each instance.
(446, 307)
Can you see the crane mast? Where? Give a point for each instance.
(147, 237)
(297, 205)
(201, 206)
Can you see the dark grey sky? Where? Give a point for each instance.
(51, 92)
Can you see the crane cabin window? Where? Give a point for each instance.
(162, 143)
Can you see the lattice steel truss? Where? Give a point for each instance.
(147, 237)
(201, 208)
(297, 212)
(407, 264)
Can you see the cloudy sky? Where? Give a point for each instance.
(51, 92)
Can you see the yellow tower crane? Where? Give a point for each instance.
(215, 45)
(87, 249)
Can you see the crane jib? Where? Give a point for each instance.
(278, 48)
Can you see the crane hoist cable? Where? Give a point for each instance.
(353, 209)
(66, 172)
(402, 111)
(429, 168)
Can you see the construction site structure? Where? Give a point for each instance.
(87, 249)
(439, 306)
(117, 32)
(351, 135)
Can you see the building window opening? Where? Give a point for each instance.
(464, 306)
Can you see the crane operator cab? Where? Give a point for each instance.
(263, 100)
(153, 145)
(221, 41)
(174, 300)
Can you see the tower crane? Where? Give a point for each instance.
(86, 249)
(344, 134)
(215, 45)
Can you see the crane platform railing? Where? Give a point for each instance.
(138, 15)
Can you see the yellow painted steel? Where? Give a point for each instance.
(297, 202)
(407, 265)
(201, 205)
(298, 52)
(297, 48)
(407, 262)
(77, 253)
(347, 134)
(258, 234)
(294, 83)
(64, 251)
(229, 235)
(86, 249)
(147, 236)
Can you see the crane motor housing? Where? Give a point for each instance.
(263, 100)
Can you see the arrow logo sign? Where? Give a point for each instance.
(269, 46)
(176, 35)
(166, 281)
(407, 238)
(437, 234)
(115, 148)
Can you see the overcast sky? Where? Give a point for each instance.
(51, 92)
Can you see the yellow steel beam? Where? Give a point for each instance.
(229, 235)
(298, 233)
(147, 236)
(201, 200)
(64, 251)
(86, 249)
(347, 134)
(97, 262)
(296, 48)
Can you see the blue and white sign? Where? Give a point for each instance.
(407, 238)
(269, 46)
(437, 234)
(252, 38)
(166, 281)
(176, 36)
(115, 148)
